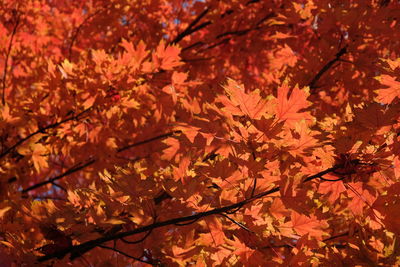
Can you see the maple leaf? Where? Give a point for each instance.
(66, 68)
(134, 56)
(387, 205)
(6, 115)
(178, 77)
(39, 157)
(302, 140)
(180, 173)
(288, 107)
(217, 234)
(162, 152)
(168, 55)
(99, 56)
(332, 190)
(38, 153)
(303, 225)
(278, 209)
(374, 116)
(393, 64)
(361, 197)
(387, 95)
(242, 250)
(240, 102)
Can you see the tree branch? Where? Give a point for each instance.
(79, 250)
(326, 67)
(89, 162)
(125, 254)
(42, 130)
(237, 223)
(245, 31)
(78, 29)
(162, 136)
(189, 30)
(58, 177)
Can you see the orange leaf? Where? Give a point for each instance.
(278, 209)
(38, 157)
(288, 107)
(303, 225)
(180, 172)
(387, 95)
(250, 104)
(169, 56)
(216, 230)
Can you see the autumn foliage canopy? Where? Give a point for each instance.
(199, 133)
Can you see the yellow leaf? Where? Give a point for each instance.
(3, 211)
(8, 244)
(89, 102)
(115, 221)
(111, 142)
(66, 69)
(131, 103)
(38, 157)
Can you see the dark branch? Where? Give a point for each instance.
(336, 236)
(137, 241)
(79, 250)
(78, 29)
(188, 223)
(58, 177)
(81, 166)
(326, 67)
(192, 45)
(162, 136)
(234, 210)
(237, 223)
(245, 31)
(141, 239)
(42, 130)
(332, 180)
(320, 174)
(125, 254)
(253, 191)
(189, 30)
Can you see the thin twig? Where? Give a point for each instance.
(59, 186)
(162, 136)
(89, 162)
(78, 29)
(237, 223)
(253, 191)
(42, 130)
(125, 254)
(58, 177)
(189, 29)
(326, 67)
